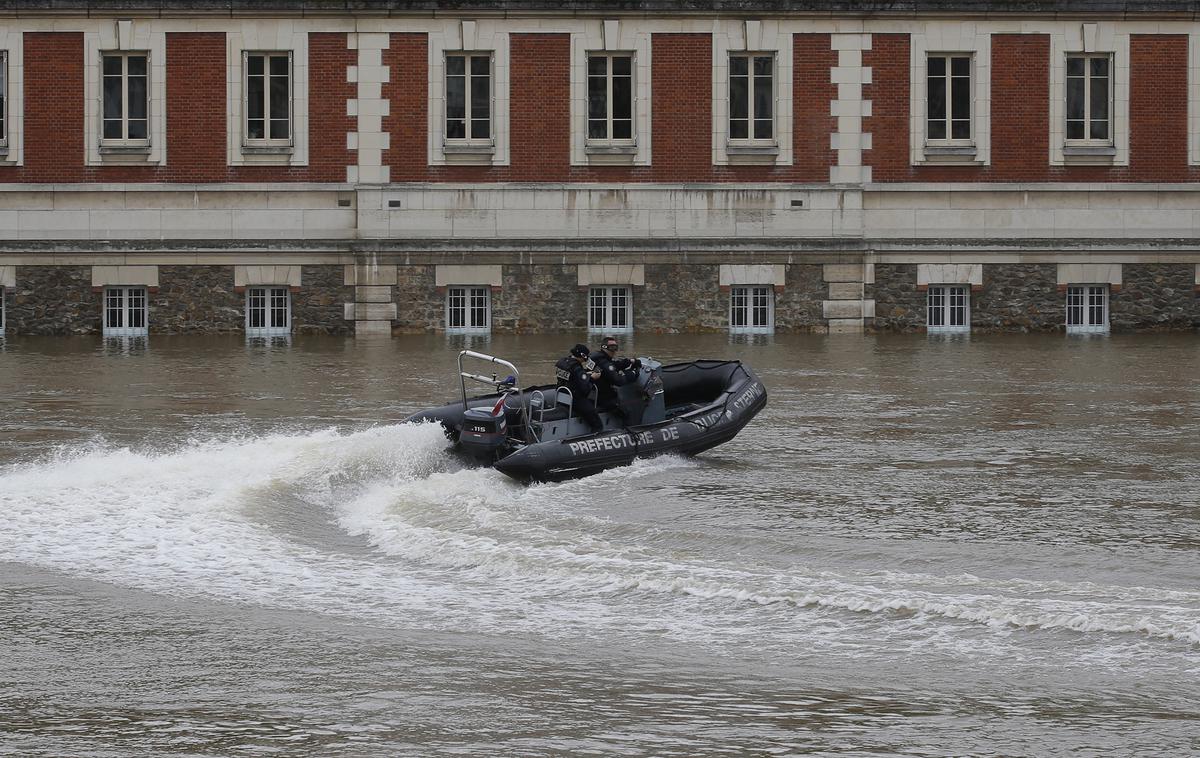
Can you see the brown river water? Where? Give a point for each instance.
(922, 546)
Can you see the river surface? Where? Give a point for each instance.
(922, 546)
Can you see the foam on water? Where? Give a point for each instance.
(453, 548)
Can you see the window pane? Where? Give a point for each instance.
(597, 97)
(279, 65)
(456, 65)
(137, 65)
(456, 97)
(279, 128)
(1075, 130)
(622, 129)
(622, 97)
(961, 129)
(254, 65)
(739, 66)
(112, 97)
(597, 66)
(936, 307)
(1074, 98)
(1100, 67)
(622, 65)
(1099, 104)
(763, 65)
(481, 65)
(937, 98)
(255, 103)
(279, 97)
(763, 97)
(137, 97)
(1075, 67)
(739, 97)
(960, 66)
(960, 99)
(480, 106)
(937, 66)
(1099, 130)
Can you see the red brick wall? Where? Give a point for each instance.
(53, 120)
(196, 152)
(888, 93)
(1020, 107)
(813, 92)
(407, 92)
(1158, 99)
(196, 107)
(1021, 115)
(540, 114)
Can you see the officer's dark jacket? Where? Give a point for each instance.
(571, 375)
(613, 374)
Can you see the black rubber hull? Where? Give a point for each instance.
(739, 396)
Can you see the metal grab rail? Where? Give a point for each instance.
(463, 376)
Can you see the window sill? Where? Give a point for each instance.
(951, 154)
(1089, 154)
(609, 154)
(749, 152)
(268, 149)
(451, 148)
(466, 153)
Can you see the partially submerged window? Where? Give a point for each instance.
(468, 310)
(610, 309)
(125, 312)
(268, 311)
(752, 309)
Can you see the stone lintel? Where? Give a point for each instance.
(105, 276)
(491, 275)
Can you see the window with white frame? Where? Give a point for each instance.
(752, 97)
(610, 309)
(3, 99)
(468, 97)
(125, 108)
(124, 311)
(1089, 99)
(268, 98)
(468, 310)
(949, 98)
(610, 97)
(268, 311)
(3, 311)
(752, 309)
(1087, 308)
(948, 308)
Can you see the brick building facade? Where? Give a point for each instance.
(535, 166)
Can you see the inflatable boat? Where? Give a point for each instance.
(536, 434)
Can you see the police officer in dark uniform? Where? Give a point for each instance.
(571, 372)
(614, 372)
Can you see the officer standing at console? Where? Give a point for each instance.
(614, 372)
(572, 373)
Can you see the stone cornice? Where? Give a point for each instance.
(743, 8)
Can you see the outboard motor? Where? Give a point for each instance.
(483, 435)
(642, 400)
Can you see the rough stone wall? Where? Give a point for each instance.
(899, 306)
(543, 298)
(53, 300)
(318, 308)
(419, 306)
(798, 306)
(196, 299)
(1019, 297)
(1155, 296)
(682, 298)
